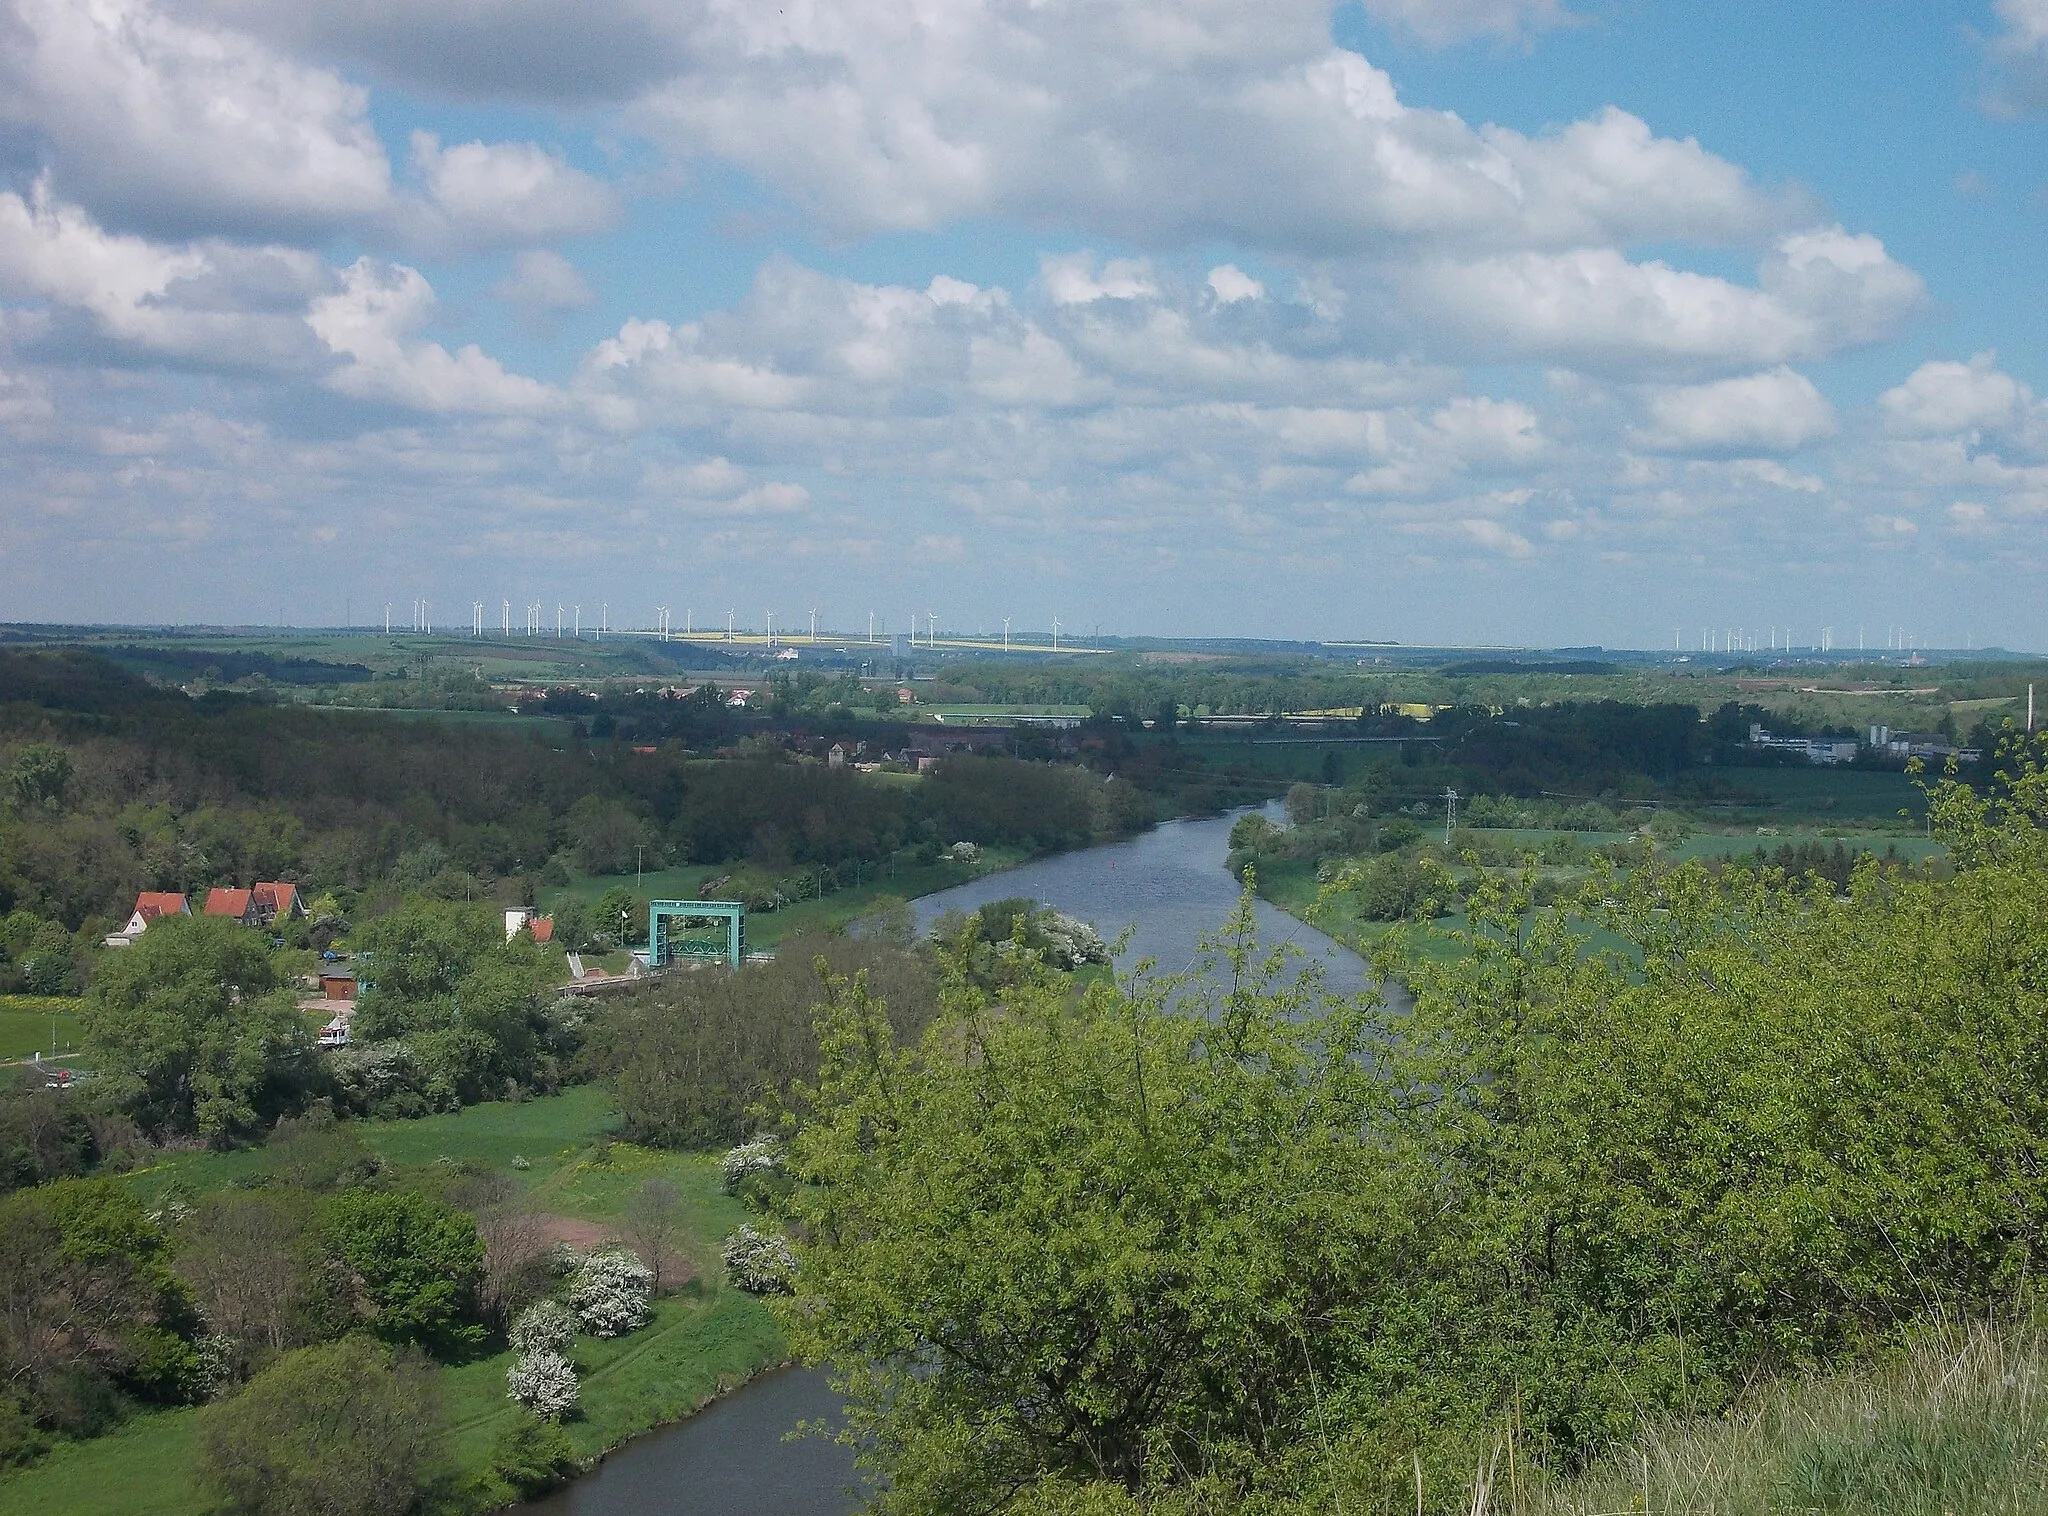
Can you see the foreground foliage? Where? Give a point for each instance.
(1249, 1242)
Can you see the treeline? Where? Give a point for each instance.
(1296, 1253)
(110, 785)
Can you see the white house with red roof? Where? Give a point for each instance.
(150, 905)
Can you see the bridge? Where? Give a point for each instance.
(703, 930)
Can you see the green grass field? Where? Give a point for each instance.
(704, 1338)
(26, 1022)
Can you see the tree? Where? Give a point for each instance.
(190, 1027)
(39, 777)
(244, 1254)
(347, 1429)
(654, 1224)
(1090, 1235)
(89, 1307)
(415, 1264)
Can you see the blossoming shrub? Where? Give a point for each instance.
(610, 1292)
(544, 1382)
(750, 1160)
(544, 1326)
(761, 1263)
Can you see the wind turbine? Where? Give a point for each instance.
(387, 618)
(871, 626)
(577, 624)
(771, 631)
(1055, 634)
(931, 629)
(814, 623)
(1006, 634)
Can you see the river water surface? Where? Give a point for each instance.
(1170, 886)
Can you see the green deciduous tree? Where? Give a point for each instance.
(190, 1027)
(1088, 1236)
(415, 1264)
(340, 1430)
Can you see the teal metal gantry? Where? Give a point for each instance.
(665, 946)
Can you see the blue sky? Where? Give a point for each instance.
(1439, 320)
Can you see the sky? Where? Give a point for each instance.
(1550, 322)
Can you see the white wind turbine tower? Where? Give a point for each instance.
(1055, 634)
(871, 626)
(814, 623)
(558, 621)
(387, 618)
(1006, 634)
(604, 617)
(771, 631)
(931, 628)
(476, 618)
(507, 614)
(576, 625)
(728, 624)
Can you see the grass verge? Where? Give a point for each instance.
(1954, 1425)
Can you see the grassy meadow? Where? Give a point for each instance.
(26, 1022)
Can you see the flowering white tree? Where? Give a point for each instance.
(610, 1292)
(761, 1156)
(545, 1326)
(761, 1263)
(544, 1382)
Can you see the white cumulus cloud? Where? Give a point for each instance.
(370, 323)
(486, 193)
(157, 124)
(1443, 22)
(1777, 411)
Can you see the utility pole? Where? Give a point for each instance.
(1450, 814)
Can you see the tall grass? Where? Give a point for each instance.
(1954, 1425)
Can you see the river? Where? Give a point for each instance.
(1169, 886)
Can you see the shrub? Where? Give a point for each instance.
(544, 1382)
(342, 1430)
(533, 1456)
(761, 1263)
(750, 1159)
(544, 1326)
(610, 1292)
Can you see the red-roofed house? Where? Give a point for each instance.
(149, 905)
(274, 900)
(543, 928)
(239, 904)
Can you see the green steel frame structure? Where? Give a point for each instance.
(664, 946)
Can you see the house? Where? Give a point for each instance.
(836, 758)
(519, 919)
(149, 906)
(239, 905)
(277, 901)
(337, 986)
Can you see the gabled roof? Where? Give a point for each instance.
(227, 903)
(151, 904)
(543, 928)
(278, 899)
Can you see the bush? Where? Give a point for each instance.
(342, 1430)
(544, 1382)
(762, 1156)
(610, 1292)
(761, 1263)
(533, 1457)
(544, 1326)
